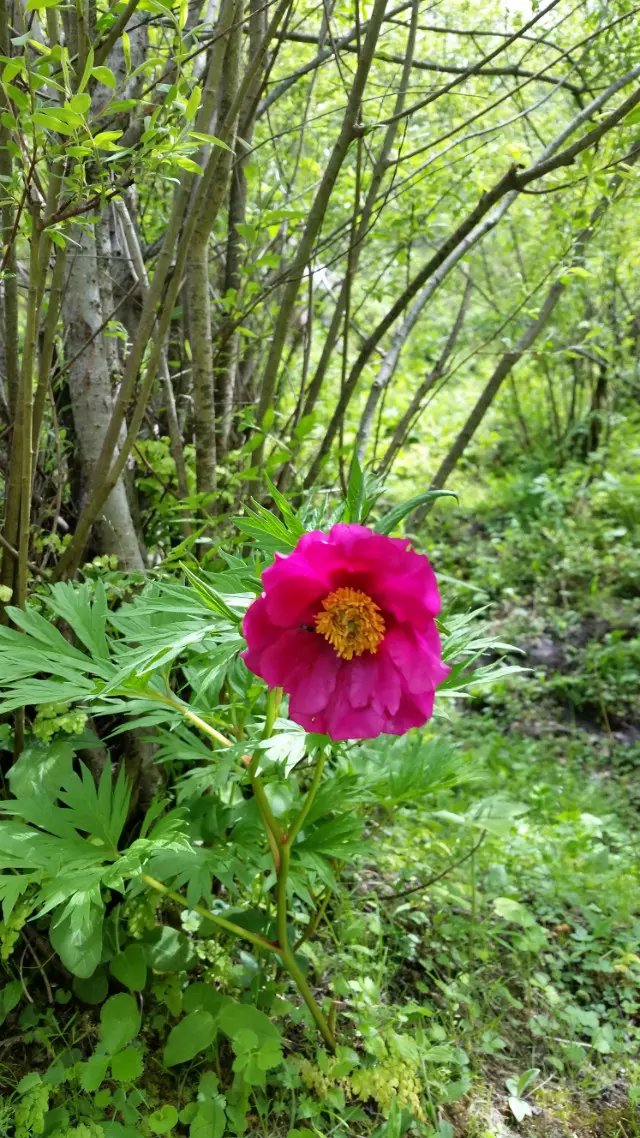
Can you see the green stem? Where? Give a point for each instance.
(288, 959)
(299, 979)
(268, 817)
(280, 844)
(271, 824)
(202, 725)
(222, 922)
(308, 802)
(281, 895)
(286, 953)
(319, 913)
(192, 717)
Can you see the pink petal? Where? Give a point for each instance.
(312, 689)
(347, 722)
(293, 597)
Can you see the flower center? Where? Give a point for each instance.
(351, 621)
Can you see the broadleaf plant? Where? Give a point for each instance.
(243, 835)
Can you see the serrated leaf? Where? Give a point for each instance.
(12, 886)
(128, 1065)
(85, 611)
(210, 596)
(93, 1072)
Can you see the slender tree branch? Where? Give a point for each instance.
(474, 227)
(524, 343)
(430, 380)
(317, 211)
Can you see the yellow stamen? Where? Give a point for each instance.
(351, 622)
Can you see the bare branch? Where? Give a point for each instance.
(477, 223)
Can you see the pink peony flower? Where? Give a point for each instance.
(346, 627)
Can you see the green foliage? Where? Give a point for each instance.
(468, 912)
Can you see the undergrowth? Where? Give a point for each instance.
(475, 913)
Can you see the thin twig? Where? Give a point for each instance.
(438, 876)
(39, 966)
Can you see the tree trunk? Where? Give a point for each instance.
(90, 387)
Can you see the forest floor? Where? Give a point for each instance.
(533, 942)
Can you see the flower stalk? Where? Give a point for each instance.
(280, 844)
(287, 954)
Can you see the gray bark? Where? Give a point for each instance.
(90, 387)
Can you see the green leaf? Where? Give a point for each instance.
(10, 996)
(119, 1021)
(210, 1119)
(53, 121)
(305, 426)
(130, 967)
(126, 50)
(105, 76)
(202, 996)
(339, 837)
(85, 612)
(168, 950)
(193, 102)
(94, 989)
(76, 934)
(235, 1018)
(93, 1072)
(272, 534)
(200, 136)
(86, 73)
(390, 521)
(184, 163)
(514, 911)
(355, 491)
(163, 1120)
(210, 596)
(80, 103)
(11, 889)
(128, 1065)
(42, 768)
(45, 634)
(99, 811)
(119, 1130)
(106, 139)
(362, 491)
(11, 68)
(195, 1033)
(520, 1108)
